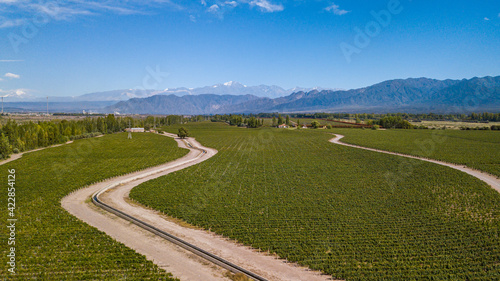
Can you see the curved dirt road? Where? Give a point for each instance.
(491, 180)
(19, 155)
(181, 263)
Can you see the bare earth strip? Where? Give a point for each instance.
(181, 263)
(491, 180)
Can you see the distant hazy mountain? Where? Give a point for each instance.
(117, 95)
(408, 95)
(20, 101)
(229, 88)
(172, 104)
(235, 88)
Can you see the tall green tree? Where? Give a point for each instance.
(253, 122)
(183, 133)
(5, 147)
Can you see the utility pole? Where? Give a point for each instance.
(47, 106)
(2, 105)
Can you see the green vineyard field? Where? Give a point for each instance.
(476, 149)
(332, 208)
(51, 244)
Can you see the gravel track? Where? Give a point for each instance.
(181, 263)
(491, 180)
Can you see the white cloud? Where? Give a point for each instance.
(486, 19)
(192, 18)
(231, 3)
(111, 8)
(213, 9)
(12, 75)
(266, 6)
(59, 12)
(11, 23)
(65, 10)
(336, 10)
(62, 10)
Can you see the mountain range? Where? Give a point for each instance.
(228, 88)
(23, 102)
(414, 95)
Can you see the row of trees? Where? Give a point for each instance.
(17, 137)
(239, 120)
(392, 122)
(281, 121)
(485, 116)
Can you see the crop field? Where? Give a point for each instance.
(454, 125)
(330, 207)
(51, 244)
(476, 149)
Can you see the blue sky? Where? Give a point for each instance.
(65, 48)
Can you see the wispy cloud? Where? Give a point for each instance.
(486, 19)
(6, 23)
(336, 10)
(18, 12)
(221, 7)
(68, 9)
(12, 75)
(231, 3)
(213, 9)
(60, 12)
(266, 6)
(10, 1)
(11, 60)
(122, 10)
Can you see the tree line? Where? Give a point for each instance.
(18, 137)
(473, 117)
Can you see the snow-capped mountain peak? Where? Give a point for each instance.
(228, 88)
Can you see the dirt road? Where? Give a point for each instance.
(176, 260)
(19, 155)
(491, 180)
